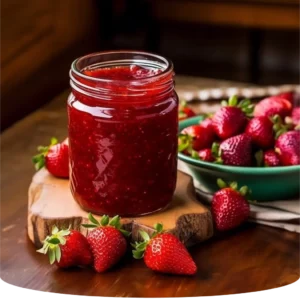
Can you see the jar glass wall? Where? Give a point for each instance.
(123, 123)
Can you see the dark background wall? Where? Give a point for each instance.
(255, 41)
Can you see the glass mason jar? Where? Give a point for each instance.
(123, 123)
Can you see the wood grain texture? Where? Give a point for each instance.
(30, 31)
(231, 13)
(251, 258)
(50, 203)
(40, 39)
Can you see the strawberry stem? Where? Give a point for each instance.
(221, 183)
(244, 190)
(233, 100)
(216, 152)
(206, 116)
(105, 221)
(259, 157)
(195, 154)
(39, 159)
(245, 105)
(233, 185)
(279, 127)
(51, 244)
(140, 247)
(215, 149)
(184, 142)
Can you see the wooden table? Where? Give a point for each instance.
(251, 258)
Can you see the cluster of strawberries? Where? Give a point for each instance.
(231, 136)
(106, 244)
(244, 134)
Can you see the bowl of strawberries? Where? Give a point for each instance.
(257, 145)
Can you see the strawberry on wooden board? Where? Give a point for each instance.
(107, 241)
(163, 252)
(184, 111)
(229, 206)
(67, 248)
(288, 148)
(196, 137)
(235, 151)
(273, 106)
(231, 119)
(54, 157)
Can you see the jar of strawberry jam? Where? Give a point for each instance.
(123, 123)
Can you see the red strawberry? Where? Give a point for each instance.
(107, 241)
(54, 157)
(260, 129)
(197, 137)
(207, 123)
(296, 116)
(206, 155)
(235, 151)
(231, 120)
(263, 130)
(185, 111)
(271, 158)
(288, 96)
(67, 248)
(164, 253)
(287, 146)
(273, 106)
(229, 207)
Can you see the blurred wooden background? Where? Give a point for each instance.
(39, 40)
(253, 41)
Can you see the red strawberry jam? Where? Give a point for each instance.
(123, 133)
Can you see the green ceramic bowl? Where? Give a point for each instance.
(267, 184)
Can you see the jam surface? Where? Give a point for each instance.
(123, 151)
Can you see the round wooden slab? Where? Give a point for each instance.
(51, 203)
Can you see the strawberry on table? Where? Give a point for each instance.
(273, 106)
(54, 157)
(235, 151)
(67, 248)
(287, 146)
(163, 252)
(185, 111)
(231, 119)
(229, 206)
(107, 241)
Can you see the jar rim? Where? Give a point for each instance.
(167, 68)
